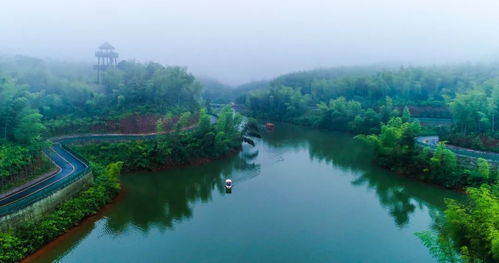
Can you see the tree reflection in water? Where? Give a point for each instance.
(166, 197)
(160, 200)
(400, 196)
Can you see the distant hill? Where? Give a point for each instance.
(215, 91)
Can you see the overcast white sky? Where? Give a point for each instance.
(238, 41)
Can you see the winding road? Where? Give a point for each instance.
(70, 168)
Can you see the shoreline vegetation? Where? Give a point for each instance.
(85, 222)
(42, 99)
(27, 238)
(45, 98)
(206, 142)
(376, 106)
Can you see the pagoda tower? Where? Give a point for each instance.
(106, 57)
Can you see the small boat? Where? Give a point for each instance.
(269, 125)
(228, 184)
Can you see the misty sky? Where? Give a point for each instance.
(238, 41)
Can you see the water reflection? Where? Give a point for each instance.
(338, 149)
(159, 203)
(400, 196)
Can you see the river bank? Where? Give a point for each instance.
(98, 193)
(77, 231)
(299, 192)
(87, 223)
(87, 218)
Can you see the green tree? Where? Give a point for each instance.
(204, 123)
(440, 247)
(30, 128)
(474, 227)
(483, 168)
(406, 114)
(394, 145)
(443, 166)
(339, 113)
(184, 120)
(470, 111)
(387, 110)
(160, 126)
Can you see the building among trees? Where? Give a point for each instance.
(106, 56)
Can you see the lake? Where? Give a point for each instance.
(300, 195)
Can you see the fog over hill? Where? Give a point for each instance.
(242, 41)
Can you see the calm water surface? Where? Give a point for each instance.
(300, 195)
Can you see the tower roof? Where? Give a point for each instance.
(106, 46)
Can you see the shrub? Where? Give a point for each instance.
(25, 239)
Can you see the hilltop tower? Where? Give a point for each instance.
(106, 56)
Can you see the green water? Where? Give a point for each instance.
(300, 195)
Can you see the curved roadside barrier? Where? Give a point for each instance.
(432, 142)
(71, 166)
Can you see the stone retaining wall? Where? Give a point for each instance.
(471, 162)
(468, 162)
(40, 208)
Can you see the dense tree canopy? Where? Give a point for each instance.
(475, 227)
(469, 232)
(427, 90)
(407, 85)
(133, 84)
(475, 111)
(376, 102)
(39, 97)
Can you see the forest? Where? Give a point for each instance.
(40, 99)
(383, 107)
(204, 142)
(359, 99)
